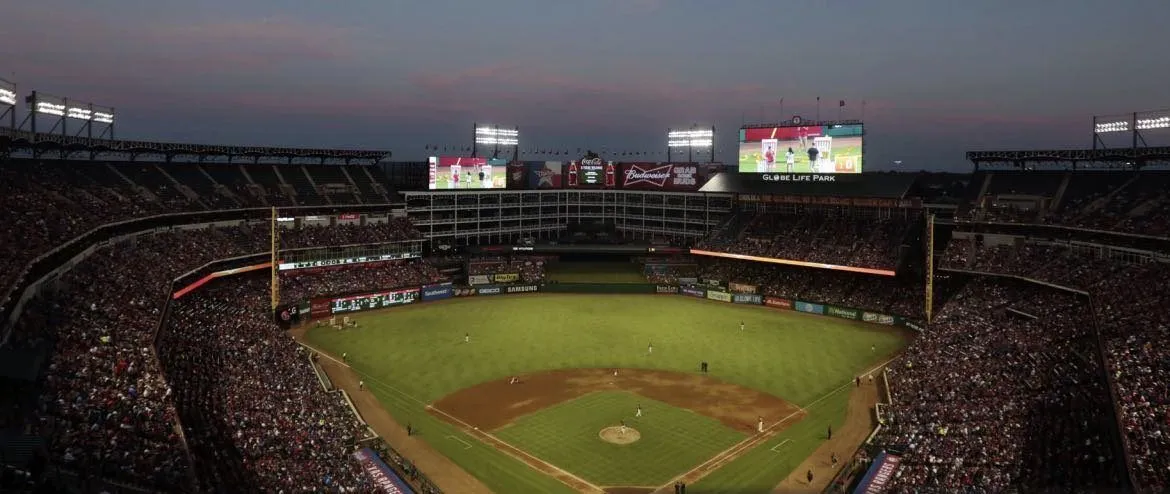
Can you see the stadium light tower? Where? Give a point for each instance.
(494, 138)
(1132, 124)
(61, 110)
(8, 102)
(694, 138)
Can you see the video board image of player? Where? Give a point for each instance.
(452, 173)
(802, 149)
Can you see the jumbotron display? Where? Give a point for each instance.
(451, 173)
(795, 148)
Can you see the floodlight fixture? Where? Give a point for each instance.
(494, 136)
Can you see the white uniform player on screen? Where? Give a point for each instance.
(485, 173)
(824, 144)
(790, 159)
(455, 170)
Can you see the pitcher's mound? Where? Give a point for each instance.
(616, 436)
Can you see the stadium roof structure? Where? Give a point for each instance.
(40, 143)
(884, 185)
(1133, 158)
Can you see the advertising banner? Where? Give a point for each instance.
(779, 303)
(712, 283)
(914, 326)
(544, 174)
(437, 292)
(349, 216)
(810, 308)
(521, 289)
(488, 290)
(465, 292)
(688, 281)
(842, 313)
(287, 316)
(662, 176)
(879, 475)
(877, 318)
(380, 473)
(591, 172)
(747, 298)
(517, 176)
(720, 296)
(742, 288)
(479, 279)
(506, 277)
(667, 289)
(371, 301)
(694, 292)
(319, 308)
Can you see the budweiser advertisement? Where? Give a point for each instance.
(663, 176)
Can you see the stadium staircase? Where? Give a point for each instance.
(182, 188)
(138, 189)
(1059, 195)
(376, 186)
(221, 189)
(1103, 201)
(357, 191)
(254, 188)
(313, 184)
(284, 187)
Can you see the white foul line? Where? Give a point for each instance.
(786, 441)
(768, 429)
(465, 444)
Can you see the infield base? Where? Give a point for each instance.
(615, 435)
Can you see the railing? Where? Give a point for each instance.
(1127, 463)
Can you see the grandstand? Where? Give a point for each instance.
(1039, 365)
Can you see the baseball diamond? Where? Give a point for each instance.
(535, 401)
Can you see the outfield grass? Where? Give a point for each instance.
(673, 439)
(593, 272)
(414, 355)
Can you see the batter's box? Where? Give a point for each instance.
(778, 446)
(466, 446)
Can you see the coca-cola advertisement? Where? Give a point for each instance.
(664, 176)
(591, 172)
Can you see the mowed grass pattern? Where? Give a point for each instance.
(673, 439)
(411, 356)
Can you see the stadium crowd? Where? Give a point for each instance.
(867, 292)
(1130, 312)
(305, 284)
(816, 235)
(256, 416)
(996, 397)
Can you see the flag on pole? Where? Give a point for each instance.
(842, 103)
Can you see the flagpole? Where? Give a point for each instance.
(781, 110)
(818, 109)
(862, 110)
(840, 109)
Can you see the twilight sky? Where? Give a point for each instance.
(940, 77)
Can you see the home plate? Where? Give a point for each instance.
(782, 443)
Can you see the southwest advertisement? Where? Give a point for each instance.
(720, 296)
(662, 176)
(371, 301)
(810, 308)
(741, 288)
(437, 292)
(820, 149)
(694, 292)
(382, 476)
(744, 298)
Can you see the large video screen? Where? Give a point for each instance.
(801, 149)
(451, 173)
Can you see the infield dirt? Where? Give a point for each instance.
(495, 404)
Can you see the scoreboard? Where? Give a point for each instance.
(374, 301)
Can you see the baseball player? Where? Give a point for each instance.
(790, 158)
(741, 325)
(650, 348)
(769, 158)
(639, 412)
(361, 385)
(812, 158)
(760, 425)
(514, 380)
(623, 427)
(467, 337)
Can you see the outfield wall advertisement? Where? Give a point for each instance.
(667, 289)
(437, 292)
(493, 279)
(694, 291)
(779, 303)
(810, 308)
(842, 313)
(747, 298)
(717, 295)
(876, 318)
(879, 475)
(521, 289)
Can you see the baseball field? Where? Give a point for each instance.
(603, 393)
